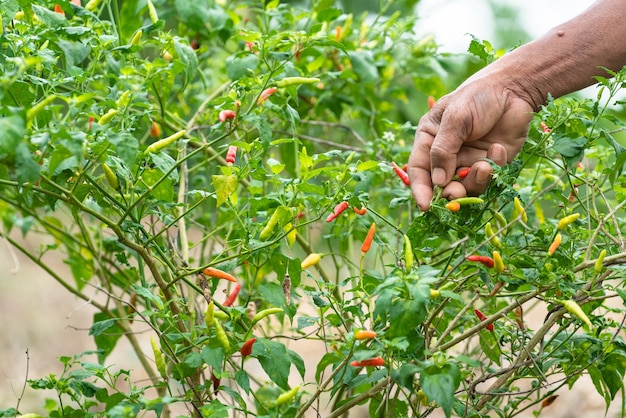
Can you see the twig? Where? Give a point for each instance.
(19, 399)
(365, 395)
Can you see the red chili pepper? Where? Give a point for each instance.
(482, 317)
(401, 173)
(155, 130)
(377, 361)
(367, 243)
(233, 295)
(250, 46)
(265, 94)
(405, 167)
(194, 44)
(300, 215)
(246, 348)
(58, 9)
(231, 155)
(218, 274)
(361, 211)
(364, 335)
(227, 114)
(431, 102)
(545, 128)
(550, 399)
(482, 259)
(337, 211)
(463, 172)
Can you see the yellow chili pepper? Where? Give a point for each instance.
(564, 222)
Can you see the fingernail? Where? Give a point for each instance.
(483, 177)
(438, 176)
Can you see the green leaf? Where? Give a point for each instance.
(106, 341)
(569, 147)
(13, 129)
(241, 67)
(74, 52)
(363, 65)
(297, 361)
(243, 380)
(274, 360)
(489, 345)
(405, 375)
(225, 186)
(99, 327)
(188, 58)
(440, 383)
(214, 357)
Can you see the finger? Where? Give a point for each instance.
(419, 170)
(481, 172)
(454, 190)
(453, 131)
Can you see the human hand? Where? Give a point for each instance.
(481, 119)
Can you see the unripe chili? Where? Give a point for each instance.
(287, 396)
(265, 313)
(408, 253)
(266, 232)
(33, 111)
(136, 39)
(564, 222)
(597, 267)
(310, 260)
(162, 143)
(154, 17)
(469, 201)
(293, 81)
(111, 177)
(575, 309)
(518, 210)
(498, 263)
(159, 360)
(222, 338)
(492, 236)
(209, 315)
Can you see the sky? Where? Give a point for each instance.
(452, 20)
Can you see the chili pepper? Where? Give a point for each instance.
(111, 177)
(434, 293)
(469, 201)
(431, 102)
(226, 115)
(496, 289)
(453, 206)
(292, 81)
(463, 172)
(492, 236)
(367, 242)
(287, 396)
(518, 318)
(361, 211)
(250, 46)
(575, 309)
(59, 10)
(222, 338)
(597, 267)
(136, 39)
(337, 211)
(544, 128)
(246, 348)
(154, 17)
(219, 274)
(92, 5)
(123, 100)
(364, 335)
(401, 173)
(482, 259)
(233, 295)
(564, 222)
(310, 260)
(162, 143)
(266, 232)
(194, 44)
(159, 360)
(498, 263)
(500, 220)
(231, 155)
(33, 111)
(209, 315)
(167, 56)
(408, 253)
(265, 313)
(555, 244)
(291, 233)
(265, 94)
(107, 117)
(216, 382)
(550, 399)
(482, 318)
(155, 130)
(338, 33)
(376, 361)
(518, 210)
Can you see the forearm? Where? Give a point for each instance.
(568, 57)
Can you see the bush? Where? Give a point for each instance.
(174, 151)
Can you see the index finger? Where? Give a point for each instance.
(419, 169)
